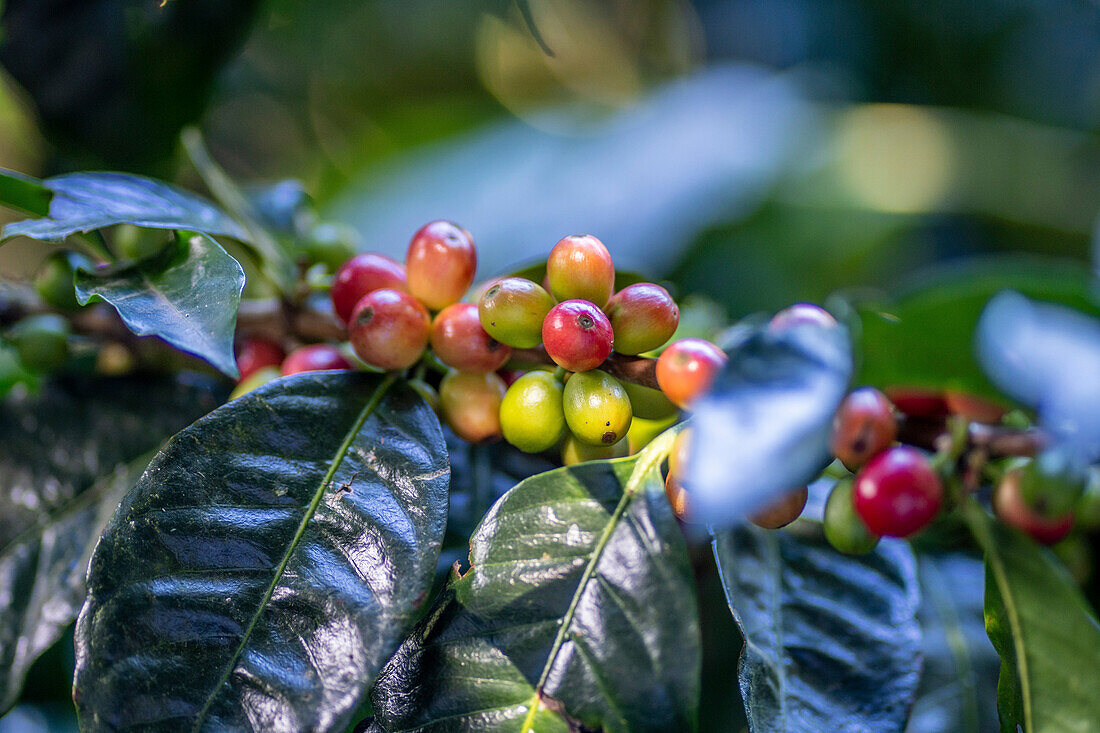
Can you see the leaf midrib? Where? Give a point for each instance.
(314, 504)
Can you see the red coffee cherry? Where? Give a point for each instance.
(687, 368)
(470, 405)
(362, 274)
(643, 316)
(897, 493)
(1013, 510)
(577, 335)
(440, 264)
(783, 511)
(864, 426)
(919, 402)
(254, 354)
(579, 268)
(315, 358)
(389, 329)
(460, 342)
(801, 314)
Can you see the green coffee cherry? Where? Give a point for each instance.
(643, 431)
(574, 451)
(597, 408)
(1052, 483)
(54, 282)
(531, 414)
(647, 403)
(844, 529)
(330, 245)
(41, 342)
(512, 311)
(135, 243)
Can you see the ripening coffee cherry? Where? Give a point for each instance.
(974, 408)
(41, 341)
(579, 268)
(531, 416)
(512, 311)
(54, 282)
(1052, 483)
(577, 335)
(686, 369)
(782, 512)
(677, 474)
(917, 402)
(363, 274)
(898, 492)
(648, 403)
(844, 528)
(1012, 509)
(314, 358)
(389, 329)
(470, 404)
(864, 426)
(643, 316)
(256, 379)
(597, 409)
(255, 353)
(440, 264)
(460, 342)
(574, 451)
(801, 314)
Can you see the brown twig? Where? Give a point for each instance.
(996, 441)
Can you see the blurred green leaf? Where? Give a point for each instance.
(1043, 629)
(831, 641)
(24, 193)
(188, 295)
(925, 337)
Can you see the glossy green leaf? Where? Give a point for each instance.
(925, 338)
(578, 610)
(83, 202)
(187, 295)
(267, 563)
(65, 458)
(1043, 629)
(24, 193)
(831, 641)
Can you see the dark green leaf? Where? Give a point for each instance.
(24, 193)
(831, 641)
(925, 338)
(958, 686)
(1044, 631)
(267, 563)
(187, 295)
(63, 462)
(578, 609)
(83, 202)
(765, 425)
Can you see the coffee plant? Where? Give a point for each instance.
(437, 503)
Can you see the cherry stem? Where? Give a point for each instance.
(634, 369)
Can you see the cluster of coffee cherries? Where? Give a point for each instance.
(500, 348)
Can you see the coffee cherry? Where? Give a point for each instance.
(677, 497)
(470, 404)
(643, 431)
(574, 451)
(254, 354)
(460, 342)
(844, 529)
(648, 403)
(332, 245)
(577, 335)
(512, 311)
(531, 415)
(974, 408)
(440, 263)
(115, 359)
(782, 512)
(918, 402)
(389, 329)
(364, 274)
(643, 316)
(1012, 509)
(41, 341)
(256, 379)
(898, 493)
(597, 409)
(801, 314)
(314, 358)
(54, 282)
(677, 474)
(580, 268)
(1052, 483)
(135, 243)
(686, 369)
(864, 426)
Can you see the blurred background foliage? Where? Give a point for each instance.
(755, 151)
